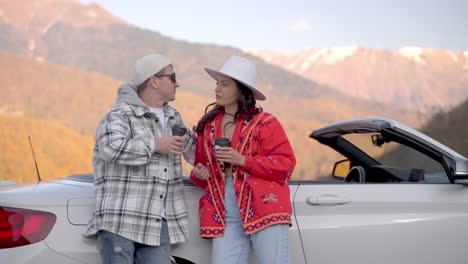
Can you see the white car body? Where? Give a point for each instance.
(334, 222)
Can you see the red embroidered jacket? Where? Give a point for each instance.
(261, 185)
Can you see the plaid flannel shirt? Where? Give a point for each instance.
(133, 180)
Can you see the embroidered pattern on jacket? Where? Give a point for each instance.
(268, 198)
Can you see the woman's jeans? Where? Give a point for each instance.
(119, 250)
(270, 244)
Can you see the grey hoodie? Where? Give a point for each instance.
(127, 94)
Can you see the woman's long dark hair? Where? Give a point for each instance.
(246, 103)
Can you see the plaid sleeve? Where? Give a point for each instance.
(190, 140)
(115, 143)
(199, 158)
(189, 147)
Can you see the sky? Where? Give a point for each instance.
(300, 24)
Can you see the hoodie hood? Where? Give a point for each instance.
(127, 94)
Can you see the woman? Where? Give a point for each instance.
(246, 202)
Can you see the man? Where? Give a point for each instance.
(140, 208)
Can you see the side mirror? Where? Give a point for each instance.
(461, 171)
(341, 169)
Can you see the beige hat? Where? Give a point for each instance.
(146, 67)
(239, 69)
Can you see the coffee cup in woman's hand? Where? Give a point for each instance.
(222, 142)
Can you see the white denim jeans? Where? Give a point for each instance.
(270, 244)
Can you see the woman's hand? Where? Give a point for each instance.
(230, 155)
(201, 172)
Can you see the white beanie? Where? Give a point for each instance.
(146, 67)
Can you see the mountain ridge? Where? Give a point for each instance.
(417, 79)
(100, 49)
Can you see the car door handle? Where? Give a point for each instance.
(327, 199)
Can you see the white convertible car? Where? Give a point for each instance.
(397, 196)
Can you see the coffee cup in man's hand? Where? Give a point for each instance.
(178, 130)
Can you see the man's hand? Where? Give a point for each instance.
(201, 171)
(169, 145)
(230, 155)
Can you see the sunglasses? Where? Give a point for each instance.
(171, 76)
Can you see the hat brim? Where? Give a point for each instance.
(215, 75)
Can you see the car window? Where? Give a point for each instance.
(406, 163)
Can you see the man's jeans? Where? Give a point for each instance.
(115, 249)
(270, 244)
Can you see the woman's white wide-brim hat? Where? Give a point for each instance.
(239, 69)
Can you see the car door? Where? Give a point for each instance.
(405, 208)
(383, 223)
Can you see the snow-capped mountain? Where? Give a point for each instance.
(411, 77)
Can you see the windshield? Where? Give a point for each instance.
(394, 154)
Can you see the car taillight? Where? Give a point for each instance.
(19, 227)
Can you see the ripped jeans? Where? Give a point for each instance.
(119, 250)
